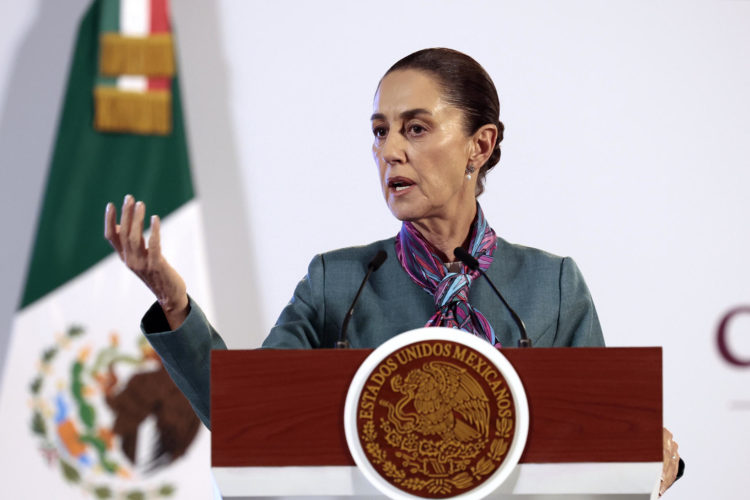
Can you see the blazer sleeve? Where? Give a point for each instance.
(577, 323)
(186, 353)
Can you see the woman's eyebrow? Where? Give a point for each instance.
(405, 115)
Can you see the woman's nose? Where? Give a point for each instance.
(392, 149)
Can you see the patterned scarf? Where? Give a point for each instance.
(450, 290)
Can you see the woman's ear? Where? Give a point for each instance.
(483, 143)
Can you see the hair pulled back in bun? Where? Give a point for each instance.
(466, 85)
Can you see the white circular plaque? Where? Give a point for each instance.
(427, 415)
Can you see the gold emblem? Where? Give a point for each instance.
(435, 418)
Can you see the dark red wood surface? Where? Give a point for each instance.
(285, 407)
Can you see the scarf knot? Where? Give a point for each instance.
(454, 287)
(450, 290)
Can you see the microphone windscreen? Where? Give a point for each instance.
(378, 260)
(466, 258)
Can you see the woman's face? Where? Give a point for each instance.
(421, 149)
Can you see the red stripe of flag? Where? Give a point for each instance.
(159, 24)
(159, 16)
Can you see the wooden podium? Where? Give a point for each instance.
(595, 423)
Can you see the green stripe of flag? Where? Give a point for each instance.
(90, 168)
(109, 18)
(106, 81)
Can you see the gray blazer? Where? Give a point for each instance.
(547, 292)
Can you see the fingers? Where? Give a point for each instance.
(125, 222)
(671, 461)
(146, 262)
(111, 229)
(671, 456)
(136, 228)
(154, 242)
(127, 238)
(667, 436)
(134, 246)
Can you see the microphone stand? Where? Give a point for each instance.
(375, 263)
(473, 264)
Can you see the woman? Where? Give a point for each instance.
(436, 135)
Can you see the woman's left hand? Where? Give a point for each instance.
(671, 462)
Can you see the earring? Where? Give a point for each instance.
(470, 170)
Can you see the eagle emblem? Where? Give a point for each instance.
(445, 411)
(432, 426)
(109, 417)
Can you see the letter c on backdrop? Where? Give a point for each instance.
(723, 332)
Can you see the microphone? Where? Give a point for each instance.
(373, 266)
(472, 264)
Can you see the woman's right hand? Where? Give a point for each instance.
(146, 262)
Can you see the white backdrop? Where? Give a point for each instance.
(626, 135)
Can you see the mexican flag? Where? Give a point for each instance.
(86, 408)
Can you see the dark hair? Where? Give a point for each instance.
(466, 85)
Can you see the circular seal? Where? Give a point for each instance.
(433, 413)
(109, 418)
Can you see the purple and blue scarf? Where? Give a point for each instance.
(421, 262)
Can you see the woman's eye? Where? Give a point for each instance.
(379, 132)
(416, 129)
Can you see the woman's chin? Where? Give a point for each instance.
(404, 212)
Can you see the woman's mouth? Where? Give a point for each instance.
(400, 185)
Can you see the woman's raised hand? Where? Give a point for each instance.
(146, 262)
